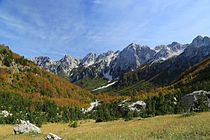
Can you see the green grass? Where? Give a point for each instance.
(140, 85)
(129, 90)
(169, 127)
(90, 84)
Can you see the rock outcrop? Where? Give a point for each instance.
(26, 127)
(137, 106)
(132, 106)
(52, 136)
(194, 100)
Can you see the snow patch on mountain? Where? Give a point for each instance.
(92, 106)
(106, 86)
(88, 60)
(164, 52)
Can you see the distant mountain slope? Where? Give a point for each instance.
(196, 77)
(23, 77)
(197, 74)
(170, 70)
(109, 65)
(165, 52)
(62, 67)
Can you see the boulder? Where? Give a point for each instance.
(52, 136)
(137, 106)
(26, 127)
(192, 100)
(132, 106)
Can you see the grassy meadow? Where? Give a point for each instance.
(175, 127)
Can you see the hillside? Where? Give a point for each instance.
(167, 127)
(89, 83)
(195, 77)
(22, 77)
(167, 72)
(196, 74)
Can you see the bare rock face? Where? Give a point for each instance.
(130, 58)
(164, 52)
(132, 106)
(52, 136)
(26, 127)
(63, 66)
(195, 99)
(137, 106)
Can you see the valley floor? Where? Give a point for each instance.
(175, 127)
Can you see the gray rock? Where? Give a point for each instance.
(63, 66)
(165, 52)
(191, 100)
(137, 106)
(89, 59)
(52, 136)
(26, 127)
(130, 58)
(132, 106)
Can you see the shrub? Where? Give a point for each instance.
(129, 116)
(74, 124)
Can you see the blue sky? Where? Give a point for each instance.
(57, 27)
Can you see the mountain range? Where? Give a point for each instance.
(109, 65)
(170, 70)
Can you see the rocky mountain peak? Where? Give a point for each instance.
(201, 41)
(43, 58)
(164, 52)
(132, 45)
(159, 47)
(67, 58)
(89, 59)
(130, 58)
(200, 45)
(112, 64)
(135, 47)
(43, 61)
(174, 43)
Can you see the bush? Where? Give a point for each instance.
(74, 124)
(129, 116)
(99, 120)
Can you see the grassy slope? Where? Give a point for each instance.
(161, 127)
